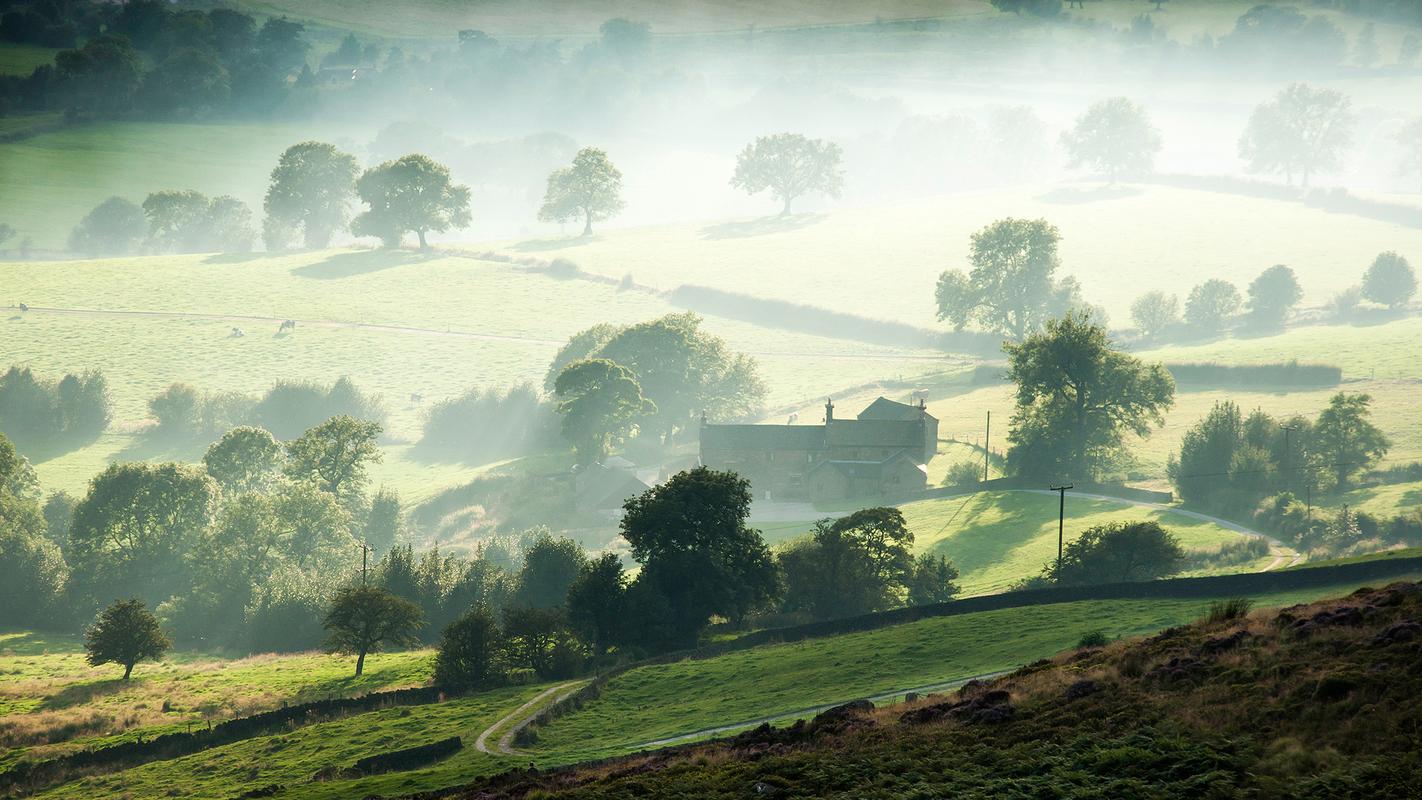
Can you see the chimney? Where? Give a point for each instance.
(829, 411)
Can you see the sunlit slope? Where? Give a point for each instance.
(884, 261)
(398, 323)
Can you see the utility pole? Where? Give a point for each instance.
(1288, 457)
(1061, 519)
(365, 550)
(987, 438)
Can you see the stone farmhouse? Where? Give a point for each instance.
(881, 452)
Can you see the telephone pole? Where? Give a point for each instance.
(1061, 519)
(987, 439)
(365, 550)
(1288, 458)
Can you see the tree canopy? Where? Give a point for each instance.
(1303, 130)
(334, 456)
(789, 165)
(125, 634)
(367, 619)
(311, 189)
(1272, 296)
(1114, 136)
(1118, 552)
(1390, 280)
(1211, 305)
(590, 189)
(601, 403)
(1345, 440)
(412, 193)
(1010, 289)
(1076, 399)
(1155, 312)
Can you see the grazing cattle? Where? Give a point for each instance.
(287, 325)
(238, 333)
(24, 307)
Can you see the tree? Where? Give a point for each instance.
(382, 523)
(597, 602)
(367, 619)
(1390, 281)
(229, 226)
(853, 565)
(413, 193)
(31, 563)
(1077, 397)
(1201, 474)
(1114, 136)
(789, 165)
(135, 528)
(1155, 312)
(591, 189)
(1211, 305)
(311, 189)
(101, 77)
(601, 403)
(683, 370)
(933, 580)
(470, 653)
(125, 633)
(280, 45)
(1345, 440)
(1301, 131)
(1010, 289)
(1118, 552)
(697, 553)
(1272, 296)
(245, 459)
(177, 220)
(188, 81)
(334, 456)
(550, 565)
(114, 227)
(532, 634)
(586, 343)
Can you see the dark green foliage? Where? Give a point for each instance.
(538, 639)
(1092, 639)
(1011, 288)
(125, 633)
(698, 557)
(1228, 610)
(188, 82)
(290, 408)
(550, 565)
(1120, 552)
(101, 77)
(964, 473)
(37, 412)
(1345, 440)
(597, 603)
(853, 565)
(932, 581)
(601, 403)
(484, 425)
(470, 653)
(334, 455)
(366, 619)
(413, 193)
(445, 586)
(32, 569)
(1077, 398)
(245, 459)
(115, 227)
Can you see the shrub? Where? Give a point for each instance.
(1092, 639)
(35, 410)
(964, 473)
(1231, 609)
(470, 653)
(290, 408)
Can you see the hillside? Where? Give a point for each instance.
(1313, 701)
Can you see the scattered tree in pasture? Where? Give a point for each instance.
(1390, 281)
(1114, 136)
(334, 456)
(38, 411)
(1019, 141)
(789, 165)
(367, 619)
(290, 408)
(125, 633)
(1207, 452)
(601, 403)
(685, 371)
(1155, 312)
(470, 653)
(1345, 440)
(697, 553)
(189, 81)
(1211, 306)
(1272, 296)
(245, 459)
(597, 603)
(383, 525)
(115, 227)
(590, 189)
(176, 410)
(933, 580)
(188, 222)
(1301, 131)
(311, 190)
(1076, 399)
(550, 565)
(31, 563)
(413, 193)
(1118, 552)
(1010, 289)
(135, 528)
(101, 77)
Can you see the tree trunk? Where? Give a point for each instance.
(127, 670)
(423, 244)
(587, 222)
(360, 663)
(785, 209)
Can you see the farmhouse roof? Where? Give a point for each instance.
(763, 437)
(868, 470)
(874, 433)
(884, 408)
(602, 487)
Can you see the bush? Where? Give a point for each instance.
(1231, 609)
(964, 473)
(483, 425)
(290, 408)
(38, 411)
(470, 653)
(1092, 639)
(183, 412)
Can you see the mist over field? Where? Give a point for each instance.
(710, 398)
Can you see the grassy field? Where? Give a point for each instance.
(21, 59)
(52, 701)
(667, 700)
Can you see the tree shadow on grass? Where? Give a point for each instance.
(972, 551)
(760, 227)
(41, 449)
(561, 243)
(77, 694)
(360, 262)
(235, 258)
(1067, 195)
(150, 446)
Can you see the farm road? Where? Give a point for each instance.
(412, 329)
(520, 718)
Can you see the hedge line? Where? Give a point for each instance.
(34, 775)
(1288, 373)
(409, 758)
